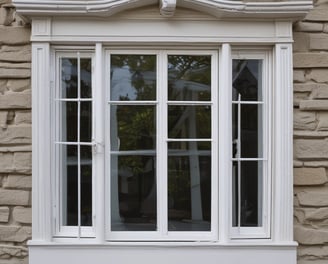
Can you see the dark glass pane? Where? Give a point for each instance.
(85, 66)
(86, 122)
(189, 121)
(69, 121)
(251, 130)
(189, 78)
(247, 80)
(69, 77)
(133, 77)
(133, 193)
(251, 182)
(86, 185)
(133, 127)
(69, 182)
(189, 186)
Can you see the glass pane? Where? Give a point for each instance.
(68, 112)
(133, 127)
(85, 66)
(133, 192)
(133, 77)
(247, 80)
(250, 194)
(189, 186)
(251, 130)
(189, 78)
(189, 121)
(69, 164)
(86, 186)
(86, 122)
(69, 77)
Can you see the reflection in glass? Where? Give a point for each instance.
(189, 78)
(251, 130)
(247, 80)
(189, 186)
(133, 77)
(86, 122)
(250, 195)
(69, 121)
(86, 185)
(69, 77)
(189, 121)
(135, 207)
(85, 67)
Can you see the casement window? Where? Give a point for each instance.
(162, 138)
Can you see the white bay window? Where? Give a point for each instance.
(162, 138)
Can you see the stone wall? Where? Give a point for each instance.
(311, 135)
(15, 136)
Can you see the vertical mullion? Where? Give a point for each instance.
(239, 161)
(78, 141)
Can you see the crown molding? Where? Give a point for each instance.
(290, 10)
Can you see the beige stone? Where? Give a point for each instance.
(4, 214)
(304, 87)
(314, 105)
(14, 35)
(23, 117)
(323, 121)
(23, 162)
(320, 92)
(6, 15)
(319, 41)
(15, 53)
(317, 214)
(15, 70)
(311, 148)
(6, 162)
(301, 42)
(310, 134)
(319, 13)
(313, 198)
(16, 100)
(3, 119)
(299, 76)
(18, 85)
(16, 135)
(13, 251)
(298, 97)
(304, 120)
(297, 164)
(308, 27)
(16, 149)
(15, 233)
(14, 197)
(310, 176)
(310, 60)
(318, 75)
(316, 164)
(18, 181)
(22, 215)
(307, 236)
(3, 86)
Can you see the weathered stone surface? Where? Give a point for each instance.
(13, 251)
(3, 119)
(15, 53)
(313, 198)
(16, 135)
(304, 87)
(3, 86)
(18, 181)
(311, 149)
(22, 215)
(298, 97)
(314, 105)
(297, 164)
(307, 236)
(319, 13)
(15, 70)
(317, 214)
(6, 161)
(15, 100)
(310, 176)
(316, 164)
(318, 75)
(22, 162)
(301, 42)
(304, 120)
(310, 134)
(16, 149)
(319, 41)
(15, 233)
(14, 35)
(4, 214)
(18, 85)
(6, 15)
(23, 117)
(320, 91)
(310, 60)
(323, 121)
(14, 197)
(308, 27)
(299, 76)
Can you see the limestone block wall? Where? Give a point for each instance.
(311, 135)
(15, 136)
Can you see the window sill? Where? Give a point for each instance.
(258, 252)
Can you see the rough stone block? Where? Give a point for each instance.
(14, 35)
(308, 27)
(15, 53)
(22, 162)
(307, 236)
(314, 105)
(310, 60)
(15, 70)
(319, 13)
(6, 162)
(317, 214)
(19, 85)
(323, 121)
(16, 135)
(15, 233)
(22, 215)
(298, 97)
(4, 214)
(311, 149)
(13, 251)
(319, 41)
(304, 87)
(16, 100)
(14, 197)
(310, 176)
(3, 119)
(310, 134)
(301, 42)
(316, 164)
(299, 76)
(313, 198)
(318, 75)
(297, 164)
(6, 15)
(304, 120)
(320, 92)
(18, 182)
(23, 117)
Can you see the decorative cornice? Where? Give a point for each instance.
(218, 8)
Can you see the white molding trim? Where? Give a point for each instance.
(219, 8)
(167, 7)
